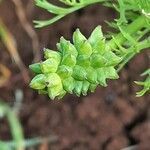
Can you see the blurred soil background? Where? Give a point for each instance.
(111, 118)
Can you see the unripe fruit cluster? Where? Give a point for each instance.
(75, 68)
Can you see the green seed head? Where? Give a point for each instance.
(75, 68)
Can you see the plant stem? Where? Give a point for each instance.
(70, 10)
(142, 45)
(15, 126)
(132, 28)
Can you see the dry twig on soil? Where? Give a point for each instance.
(28, 28)
(10, 43)
(4, 75)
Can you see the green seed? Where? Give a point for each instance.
(92, 87)
(85, 87)
(49, 66)
(96, 35)
(79, 73)
(52, 54)
(78, 88)
(38, 82)
(64, 71)
(97, 61)
(53, 79)
(69, 84)
(85, 49)
(91, 75)
(69, 60)
(78, 39)
(101, 77)
(36, 68)
(55, 91)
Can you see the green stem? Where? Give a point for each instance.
(132, 28)
(141, 46)
(15, 126)
(42, 23)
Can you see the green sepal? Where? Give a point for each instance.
(85, 87)
(99, 47)
(92, 87)
(52, 54)
(78, 39)
(111, 73)
(97, 61)
(38, 82)
(49, 66)
(55, 91)
(69, 60)
(67, 48)
(79, 73)
(91, 75)
(83, 61)
(64, 71)
(53, 79)
(78, 88)
(63, 45)
(68, 84)
(36, 68)
(112, 59)
(101, 77)
(85, 49)
(96, 35)
(71, 49)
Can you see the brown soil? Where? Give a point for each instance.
(109, 119)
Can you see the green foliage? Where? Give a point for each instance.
(144, 5)
(81, 66)
(76, 68)
(126, 8)
(145, 84)
(61, 12)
